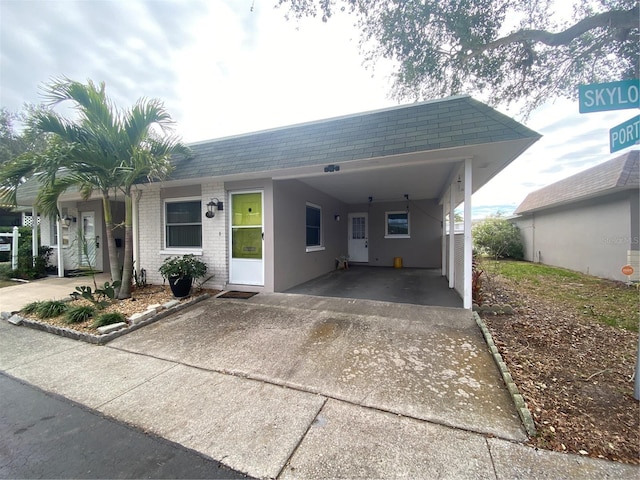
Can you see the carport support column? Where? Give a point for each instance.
(452, 238)
(444, 237)
(468, 250)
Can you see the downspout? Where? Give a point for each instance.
(136, 232)
(452, 238)
(468, 250)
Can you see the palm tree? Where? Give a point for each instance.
(104, 150)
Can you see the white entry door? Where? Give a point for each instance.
(358, 237)
(246, 266)
(88, 241)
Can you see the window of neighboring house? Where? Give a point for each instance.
(53, 223)
(397, 225)
(314, 227)
(183, 223)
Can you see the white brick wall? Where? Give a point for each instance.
(214, 235)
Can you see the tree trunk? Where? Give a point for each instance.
(114, 263)
(127, 263)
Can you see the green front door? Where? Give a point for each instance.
(247, 262)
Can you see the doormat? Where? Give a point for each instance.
(235, 294)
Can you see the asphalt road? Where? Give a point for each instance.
(46, 436)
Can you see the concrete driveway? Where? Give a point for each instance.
(426, 363)
(294, 386)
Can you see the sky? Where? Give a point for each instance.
(226, 67)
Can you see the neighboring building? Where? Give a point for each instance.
(588, 222)
(289, 201)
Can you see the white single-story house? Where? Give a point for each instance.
(588, 222)
(289, 201)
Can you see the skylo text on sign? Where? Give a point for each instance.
(601, 97)
(625, 134)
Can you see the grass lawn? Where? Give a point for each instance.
(609, 302)
(7, 283)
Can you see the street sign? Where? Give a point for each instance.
(601, 97)
(624, 135)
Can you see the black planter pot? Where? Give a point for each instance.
(180, 286)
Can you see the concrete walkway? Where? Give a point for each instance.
(293, 386)
(17, 296)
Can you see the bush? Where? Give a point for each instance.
(31, 308)
(51, 308)
(108, 319)
(79, 314)
(497, 237)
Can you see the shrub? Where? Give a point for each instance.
(31, 308)
(100, 297)
(79, 314)
(108, 319)
(476, 284)
(51, 308)
(5, 271)
(30, 267)
(497, 237)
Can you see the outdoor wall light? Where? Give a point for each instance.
(336, 217)
(214, 206)
(67, 220)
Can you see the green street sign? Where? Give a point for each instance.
(601, 97)
(625, 134)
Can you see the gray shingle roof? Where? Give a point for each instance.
(438, 124)
(451, 122)
(619, 173)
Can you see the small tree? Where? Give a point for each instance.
(498, 237)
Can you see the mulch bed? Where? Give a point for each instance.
(574, 373)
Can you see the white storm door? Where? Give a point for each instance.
(246, 266)
(88, 241)
(358, 237)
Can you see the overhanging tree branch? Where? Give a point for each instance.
(614, 20)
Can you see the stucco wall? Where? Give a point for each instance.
(422, 250)
(292, 263)
(592, 236)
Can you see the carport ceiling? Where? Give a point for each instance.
(423, 175)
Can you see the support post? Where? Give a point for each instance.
(444, 238)
(34, 233)
(468, 249)
(60, 252)
(14, 248)
(452, 237)
(136, 232)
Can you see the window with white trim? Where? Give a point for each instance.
(53, 225)
(314, 227)
(397, 225)
(183, 223)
